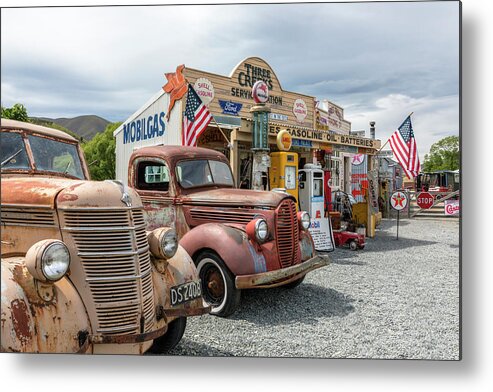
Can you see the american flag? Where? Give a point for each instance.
(195, 119)
(404, 147)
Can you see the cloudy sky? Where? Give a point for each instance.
(379, 61)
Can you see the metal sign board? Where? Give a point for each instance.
(424, 200)
(385, 154)
(398, 200)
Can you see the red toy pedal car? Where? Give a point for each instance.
(353, 240)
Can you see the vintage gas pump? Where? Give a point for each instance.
(283, 172)
(311, 199)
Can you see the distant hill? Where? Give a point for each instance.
(50, 124)
(84, 126)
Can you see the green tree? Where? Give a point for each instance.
(444, 155)
(17, 112)
(100, 153)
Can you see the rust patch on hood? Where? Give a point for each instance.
(20, 320)
(34, 190)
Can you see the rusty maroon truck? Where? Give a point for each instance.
(238, 239)
(80, 274)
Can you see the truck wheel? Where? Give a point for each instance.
(353, 245)
(171, 338)
(294, 283)
(218, 287)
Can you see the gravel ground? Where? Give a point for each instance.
(394, 299)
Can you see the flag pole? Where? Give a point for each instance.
(218, 127)
(381, 148)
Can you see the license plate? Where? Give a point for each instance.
(185, 292)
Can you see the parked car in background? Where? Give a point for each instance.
(238, 238)
(80, 274)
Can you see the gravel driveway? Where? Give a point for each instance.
(394, 299)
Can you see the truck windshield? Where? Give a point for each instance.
(13, 152)
(56, 156)
(202, 173)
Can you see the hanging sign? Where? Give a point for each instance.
(302, 143)
(204, 89)
(398, 200)
(300, 110)
(357, 159)
(284, 140)
(260, 92)
(373, 190)
(231, 108)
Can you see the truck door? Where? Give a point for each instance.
(152, 182)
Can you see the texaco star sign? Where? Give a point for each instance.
(398, 200)
(357, 159)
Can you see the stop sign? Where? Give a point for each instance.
(424, 200)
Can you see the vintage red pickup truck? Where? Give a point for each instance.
(238, 239)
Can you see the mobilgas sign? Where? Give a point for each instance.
(230, 107)
(143, 128)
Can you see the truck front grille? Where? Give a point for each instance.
(287, 234)
(28, 216)
(204, 215)
(114, 269)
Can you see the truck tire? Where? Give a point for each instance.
(218, 285)
(171, 338)
(294, 283)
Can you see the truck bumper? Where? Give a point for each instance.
(144, 337)
(281, 276)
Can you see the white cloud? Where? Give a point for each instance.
(432, 119)
(378, 60)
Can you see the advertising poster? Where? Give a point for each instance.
(320, 227)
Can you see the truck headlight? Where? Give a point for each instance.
(304, 219)
(163, 242)
(48, 260)
(258, 230)
(261, 230)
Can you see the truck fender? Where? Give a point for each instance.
(231, 244)
(56, 324)
(175, 271)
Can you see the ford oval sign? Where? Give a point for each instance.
(260, 92)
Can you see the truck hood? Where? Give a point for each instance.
(230, 197)
(48, 191)
(34, 191)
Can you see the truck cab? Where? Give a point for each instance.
(80, 273)
(238, 238)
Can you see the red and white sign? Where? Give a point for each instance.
(424, 200)
(204, 89)
(300, 110)
(260, 92)
(398, 200)
(357, 159)
(452, 207)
